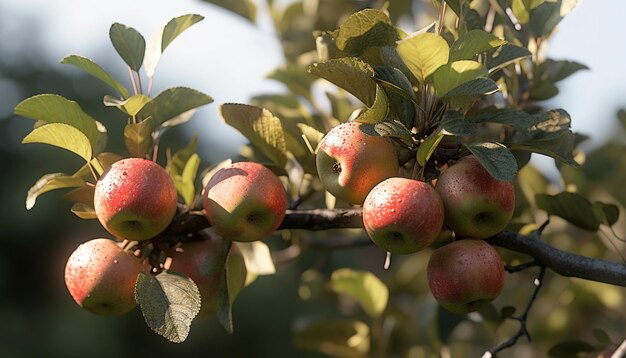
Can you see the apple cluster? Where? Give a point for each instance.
(135, 200)
(404, 216)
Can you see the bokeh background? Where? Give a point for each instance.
(228, 58)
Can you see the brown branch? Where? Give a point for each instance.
(559, 261)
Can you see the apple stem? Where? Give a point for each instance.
(93, 171)
(442, 15)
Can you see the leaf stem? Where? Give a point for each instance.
(132, 80)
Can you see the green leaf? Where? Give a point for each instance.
(378, 111)
(572, 207)
(138, 137)
(225, 308)
(129, 44)
(391, 128)
(555, 71)
(243, 8)
(362, 286)
(311, 136)
(160, 39)
(294, 76)
(471, 89)
(570, 348)
(176, 164)
(472, 43)
(52, 108)
(399, 90)
(424, 54)
(364, 29)
(95, 70)
(351, 74)
(185, 183)
(545, 17)
(504, 56)
(621, 116)
(84, 211)
(509, 116)
(427, 148)
(169, 302)
(171, 103)
(447, 322)
(51, 182)
(260, 126)
(610, 212)
(63, 136)
(496, 158)
(130, 106)
(258, 257)
(601, 336)
(335, 338)
(454, 123)
(451, 75)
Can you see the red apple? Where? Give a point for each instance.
(200, 261)
(477, 205)
(245, 202)
(403, 216)
(101, 277)
(465, 275)
(135, 199)
(350, 163)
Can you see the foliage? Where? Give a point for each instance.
(467, 84)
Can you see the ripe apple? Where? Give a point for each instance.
(245, 202)
(477, 205)
(403, 216)
(199, 260)
(135, 199)
(465, 275)
(101, 277)
(350, 163)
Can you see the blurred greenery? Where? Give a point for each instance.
(39, 318)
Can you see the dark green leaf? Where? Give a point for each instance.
(572, 207)
(138, 137)
(472, 43)
(351, 74)
(402, 100)
(391, 58)
(451, 75)
(423, 54)
(260, 126)
(601, 336)
(243, 8)
(50, 182)
(454, 123)
(542, 91)
(129, 44)
(392, 128)
(52, 108)
(176, 26)
(505, 55)
(63, 136)
(169, 303)
(509, 116)
(171, 103)
(447, 322)
(225, 309)
(364, 29)
(570, 348)
(555, 71)
(471, 89)
(364, 287)
(336, 338)
(506, 312)
(496, 158)
(427, 148)
(610, 212)
(95, 70)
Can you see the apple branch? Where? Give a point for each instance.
(562, 262)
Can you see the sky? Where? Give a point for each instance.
(228, 58)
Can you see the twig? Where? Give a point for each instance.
(522, 331)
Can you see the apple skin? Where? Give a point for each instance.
(135, 199)
(477, 205)
(350, 163)
(403, 216)
(465, 275)
(198, 261)
(245, 202)
(101, 277)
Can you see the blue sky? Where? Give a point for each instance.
(227, 57)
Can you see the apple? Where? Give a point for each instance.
(477, 205)
(101, 277)
(350, 163)
(135, 199)
(465, 275)
(245, 202)
(200, 261)
(403, 216)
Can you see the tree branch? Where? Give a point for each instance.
(559, 261)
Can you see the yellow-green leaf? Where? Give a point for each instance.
(472, 43)
(454, 74)
(171, 103)
(50, 182)
(84, 211)
(63, 136)
(95, 70)
(364, 29)
(185, 182)
(351, 74)
(427, 148)
(424, 54)
(364, 287)
(138, 137)
(130, 106)
(335, 338)
(378, 111)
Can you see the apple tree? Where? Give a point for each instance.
(408, 147)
